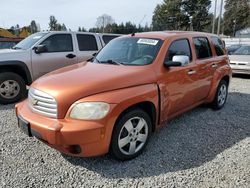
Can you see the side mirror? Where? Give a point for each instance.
(178, 61)
(40, 49)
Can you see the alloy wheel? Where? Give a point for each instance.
(133, 136)
(222, 94)
(9, 89)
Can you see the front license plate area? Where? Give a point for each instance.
(24, 126)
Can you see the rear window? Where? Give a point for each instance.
(86, 42)
(218, 45)
(202, 48)
(108, 38)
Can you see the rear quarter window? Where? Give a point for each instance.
(218, 45)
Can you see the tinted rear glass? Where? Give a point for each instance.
(87, 42)
(218, 45)
(108, 38)
(202, 48)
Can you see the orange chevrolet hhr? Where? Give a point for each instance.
(136, 83)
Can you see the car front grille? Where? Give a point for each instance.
(42, 103)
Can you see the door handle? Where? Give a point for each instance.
(214, 65)
(70, 56)
(191, 72)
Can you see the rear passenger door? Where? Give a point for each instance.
(205, 67)
(87, 46)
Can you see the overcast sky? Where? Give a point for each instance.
(74, 13)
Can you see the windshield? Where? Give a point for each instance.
(244, 50)
(129, 51)
(29, 41)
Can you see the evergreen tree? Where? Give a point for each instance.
(177, 14)
(53, 26)
(64, 28)
(236, 16)
(33, 27)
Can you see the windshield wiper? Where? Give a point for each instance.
(110, 61)
(97, 60)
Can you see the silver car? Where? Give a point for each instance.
(240, 60)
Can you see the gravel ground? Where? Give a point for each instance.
(202, 148)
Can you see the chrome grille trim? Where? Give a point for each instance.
(42, 103)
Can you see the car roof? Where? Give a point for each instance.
(81, 32)
(166, 34)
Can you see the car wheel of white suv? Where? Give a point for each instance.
(12, 88)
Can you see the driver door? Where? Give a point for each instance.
(59, 53)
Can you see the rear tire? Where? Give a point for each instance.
(220, 96)
(12, 88)
(131, 134)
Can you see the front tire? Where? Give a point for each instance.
(131, 134)
(220, 96)
(12, 88)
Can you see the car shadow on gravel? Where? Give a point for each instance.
(7, 107)
(243, 76)
(189, 141)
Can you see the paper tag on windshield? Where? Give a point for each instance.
(147, 41)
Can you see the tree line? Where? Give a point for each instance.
(196, 15)
(170, 15)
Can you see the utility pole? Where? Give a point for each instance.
(191, 23)
(221, 6)
(234, 31)
(214, 18)
(103, 23)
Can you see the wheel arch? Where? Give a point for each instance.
(223, 73)
(146, 106)
(17, 67)
(226, 78)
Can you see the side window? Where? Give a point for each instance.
(108, 38)
(179, 47)
(202, 47)
(86, 42)
(59, 43)
(218, 45)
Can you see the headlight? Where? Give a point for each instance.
(90, 110)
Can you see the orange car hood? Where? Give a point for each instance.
(72, 83)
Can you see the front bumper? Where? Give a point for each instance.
(65, 134)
